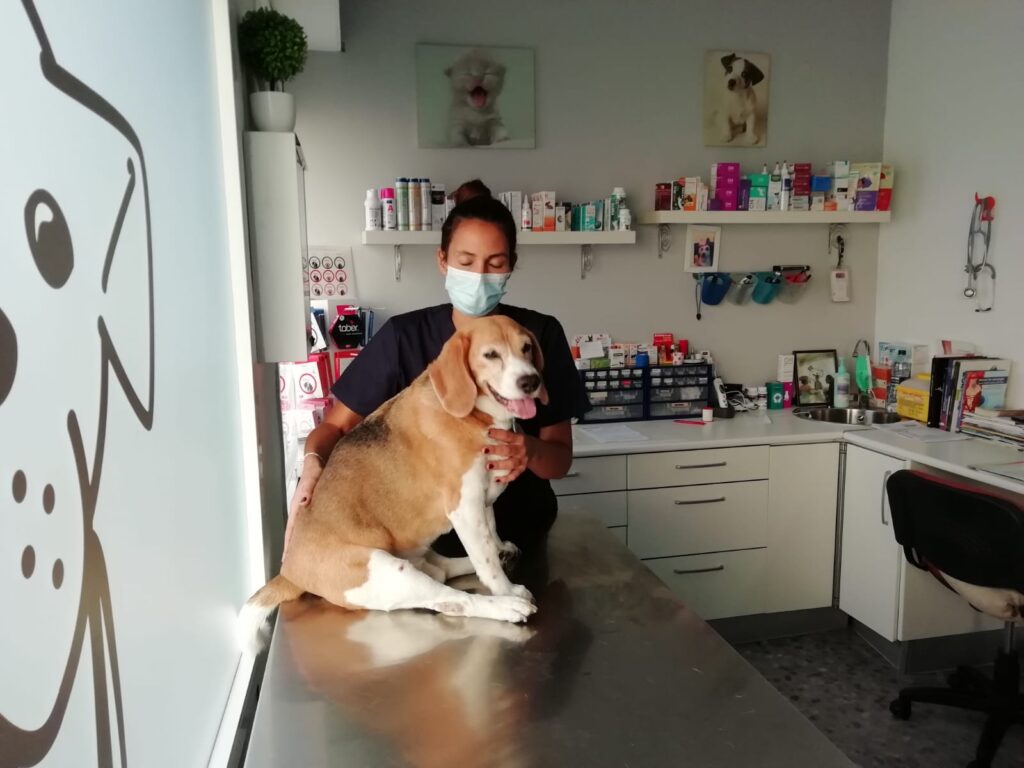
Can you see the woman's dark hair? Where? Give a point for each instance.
(471, 189)
(481, 207)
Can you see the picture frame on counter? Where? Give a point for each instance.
(814, 376)
(703, 248)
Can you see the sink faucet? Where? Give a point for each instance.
(863, 397)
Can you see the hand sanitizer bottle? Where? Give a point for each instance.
(842, 391)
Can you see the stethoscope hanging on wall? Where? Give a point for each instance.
(981, 227)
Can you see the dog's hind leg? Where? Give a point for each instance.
(453, 567)
(394, 584)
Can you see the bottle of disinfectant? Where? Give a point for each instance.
(842, 394)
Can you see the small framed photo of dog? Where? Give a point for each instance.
(814, 373)
(475, 96)
(736, 98)
(703, 248)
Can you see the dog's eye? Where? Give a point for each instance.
(490, 354)
(527, 347)
(48, 238)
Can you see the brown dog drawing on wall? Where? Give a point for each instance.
(76, 332)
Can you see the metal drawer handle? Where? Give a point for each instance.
(681, 572)
(885, 479)
(681, 503)
(572, 474)
(702, 466)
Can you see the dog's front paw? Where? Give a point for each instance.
(511, 608)
(518, 590)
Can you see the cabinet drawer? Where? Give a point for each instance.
(715, 586)
(593, 474)
(610, 506)
(665, 522)
(657, 470)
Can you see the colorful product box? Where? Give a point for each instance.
(743, 201)
(885, 187)
(662, 196)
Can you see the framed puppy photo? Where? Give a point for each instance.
(474, 97)
(703, 248)
(736, 98)
(814, 374)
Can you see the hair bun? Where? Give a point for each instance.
(469, 190)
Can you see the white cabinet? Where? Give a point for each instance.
(716, 585)
(802, 495)
(871, 567)
(275, 188)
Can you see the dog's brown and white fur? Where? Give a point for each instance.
(413, 470)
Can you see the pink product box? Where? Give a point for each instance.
(725, 170)
(727, 196)
(727, 182)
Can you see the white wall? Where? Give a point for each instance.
(952, 127)
(124, 552)
(618, 103)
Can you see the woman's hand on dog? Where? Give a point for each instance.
(312, 468)
(512, 453)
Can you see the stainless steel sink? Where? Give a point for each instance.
(847, 415)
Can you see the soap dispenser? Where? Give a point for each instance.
(842, 390)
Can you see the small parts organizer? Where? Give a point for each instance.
(658, 392)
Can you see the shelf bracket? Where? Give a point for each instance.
(586, 260)
(398, 263)
(664, 240)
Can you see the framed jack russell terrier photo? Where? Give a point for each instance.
(736, 98)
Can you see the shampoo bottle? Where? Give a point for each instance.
(774, 188)
(374, 212)
(842, 392)
(787, 187)
(526, 215)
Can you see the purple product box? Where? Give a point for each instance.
(743, 200)
(865, 201)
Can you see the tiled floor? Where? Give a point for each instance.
(844, 687)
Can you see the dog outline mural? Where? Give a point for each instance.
(121, 334)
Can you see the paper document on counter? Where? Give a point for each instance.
(913, 430)
(612, 433)
(1013, 470)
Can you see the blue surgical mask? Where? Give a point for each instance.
(473, 293)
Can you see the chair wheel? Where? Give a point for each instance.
(900, 709)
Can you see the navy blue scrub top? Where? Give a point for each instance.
(403, 348)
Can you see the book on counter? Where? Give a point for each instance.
(967, 384)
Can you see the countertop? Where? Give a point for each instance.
(613, 670)
(755, 428)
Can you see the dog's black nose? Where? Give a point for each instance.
(529, 383)
(731, 83)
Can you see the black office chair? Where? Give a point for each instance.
(973, 543)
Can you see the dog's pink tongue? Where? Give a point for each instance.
(524, 408)
(479, 97)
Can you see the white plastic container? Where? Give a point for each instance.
(786, 192)
(526, 215)
(426, 214)
(415, 205)
(374, 211)
(625, 219)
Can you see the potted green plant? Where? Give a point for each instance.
(273, 49)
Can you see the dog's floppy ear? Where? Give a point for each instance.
(751, 73)
(728, 60)
(537, 358)
(450, 377)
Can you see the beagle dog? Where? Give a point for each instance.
(411, 471)
(736, 116)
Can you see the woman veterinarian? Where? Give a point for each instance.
(477, 256)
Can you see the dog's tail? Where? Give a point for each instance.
(252, 634)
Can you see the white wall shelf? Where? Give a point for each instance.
(765, 217)
(585, 241)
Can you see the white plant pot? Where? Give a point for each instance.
(273, 110)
